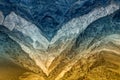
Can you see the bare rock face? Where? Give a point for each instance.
(61, 39)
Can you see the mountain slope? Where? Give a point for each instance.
(78, 41)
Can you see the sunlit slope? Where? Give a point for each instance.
(98, 44)
(86, 46)
(103, 65)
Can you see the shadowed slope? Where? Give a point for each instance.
(48, 15)
(10, 50)
(10, 70)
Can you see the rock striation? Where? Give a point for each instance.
(61, 39)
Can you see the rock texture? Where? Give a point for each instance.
(61, 39)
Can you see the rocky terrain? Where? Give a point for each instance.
(59, 40)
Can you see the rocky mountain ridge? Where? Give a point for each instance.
(82, 45)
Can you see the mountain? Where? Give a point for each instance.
(60, 39)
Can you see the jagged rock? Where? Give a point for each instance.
(62, 39)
